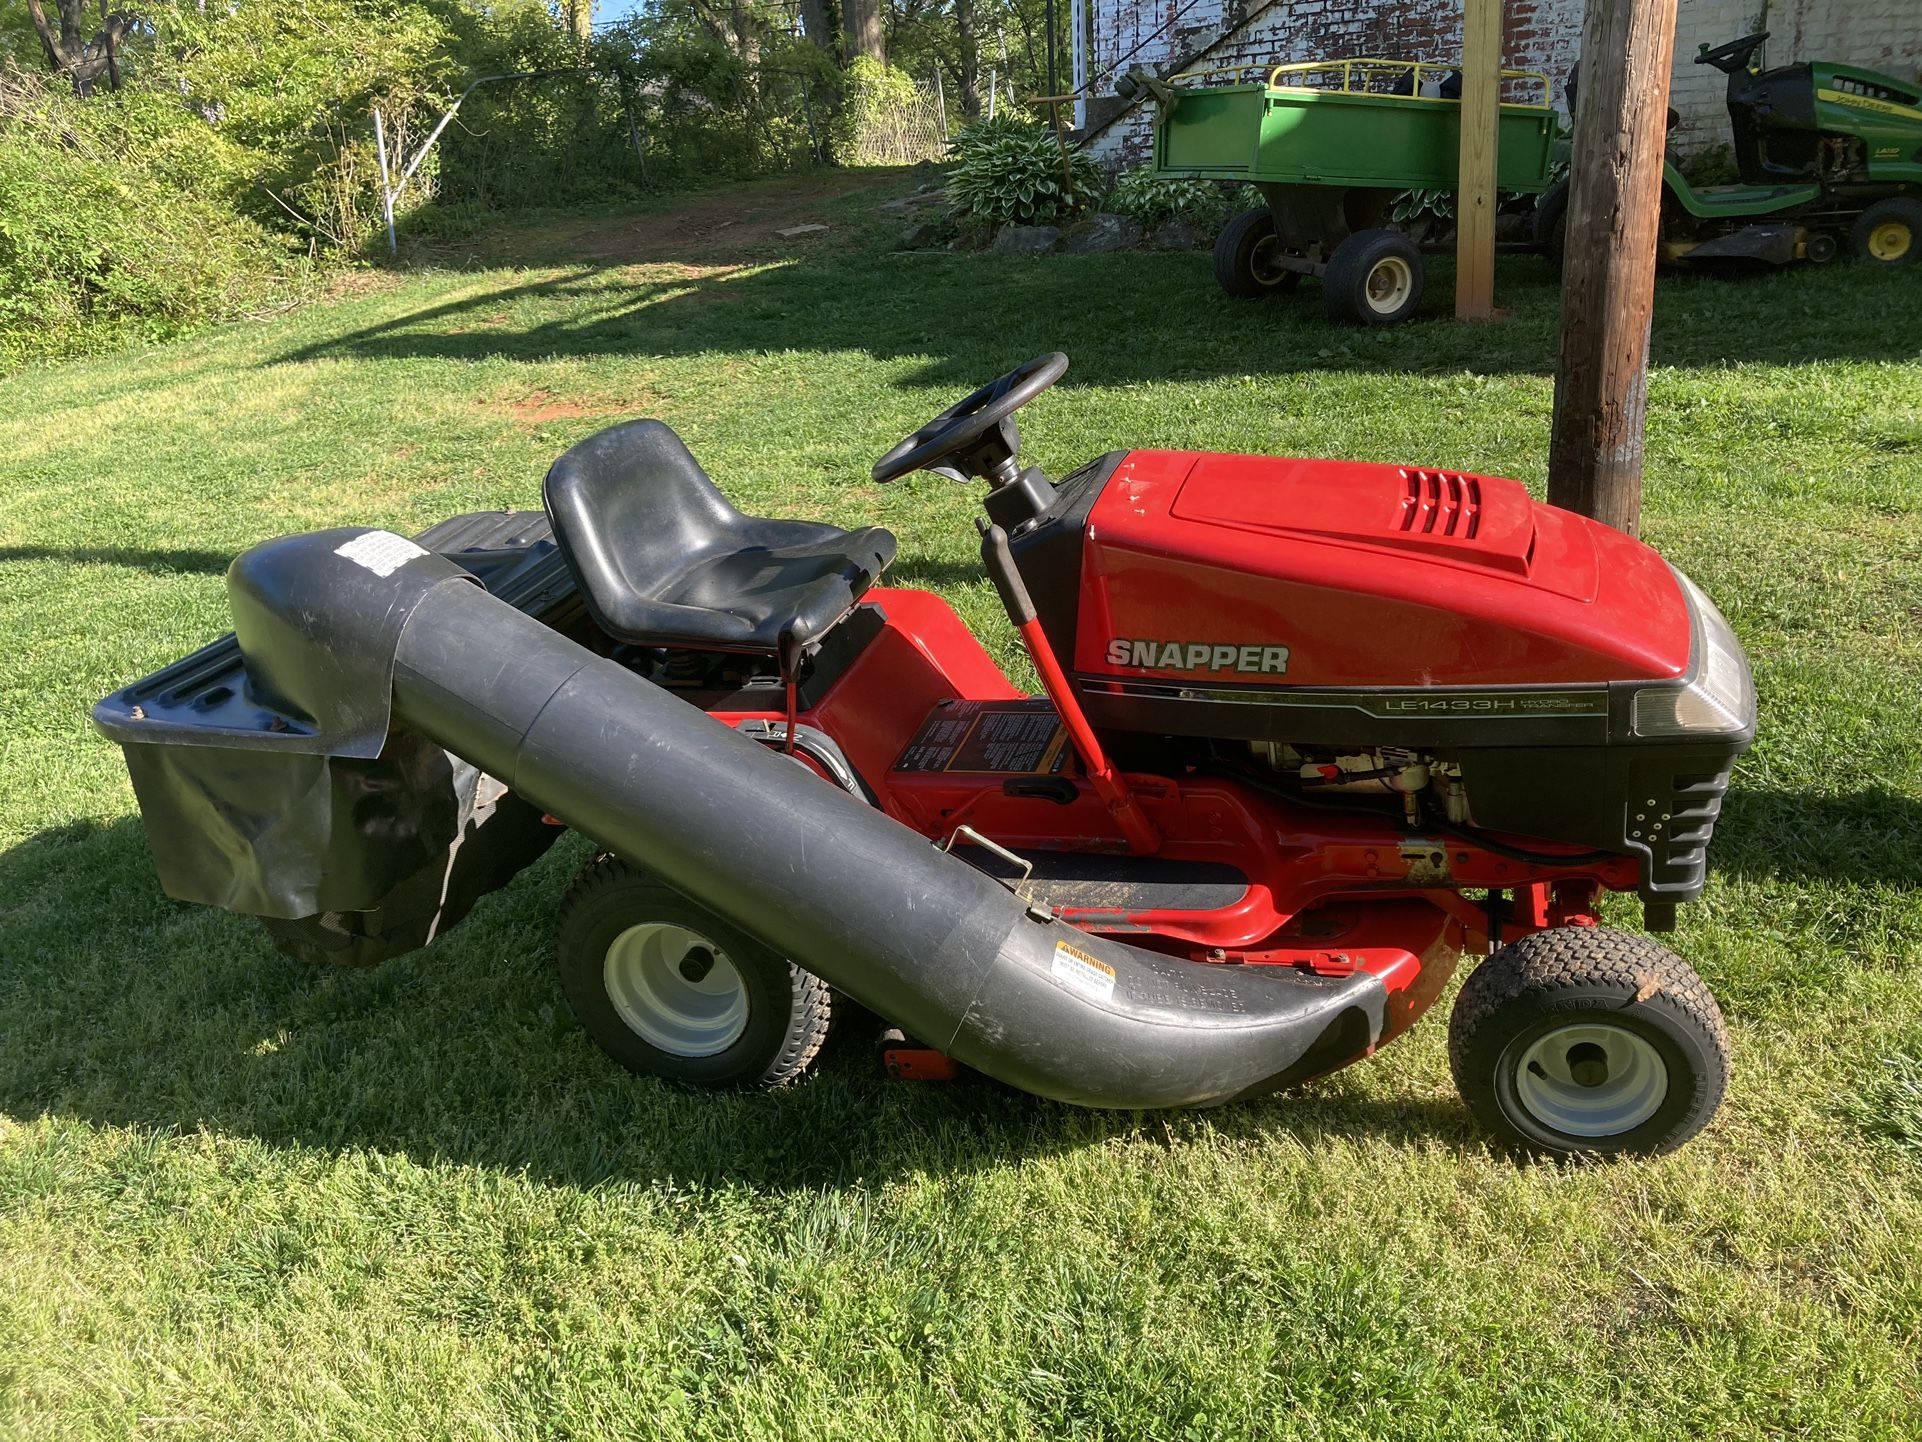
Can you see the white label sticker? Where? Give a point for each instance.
(1083, 972)
(381, 552)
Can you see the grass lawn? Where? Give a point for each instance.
(243, 1198)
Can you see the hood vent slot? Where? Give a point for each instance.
(1439, 503)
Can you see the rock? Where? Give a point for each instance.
(1101, 233)
(799, 230)
(1178, 235)
(1026, 240)
(926, 234)
(915, 201)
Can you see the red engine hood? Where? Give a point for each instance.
(1342, 573)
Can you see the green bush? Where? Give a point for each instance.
(1008, 172)
(100, 236)
(1427, 208)
(280, 96)
(704, 111)
(884, 119)
(1153, 200)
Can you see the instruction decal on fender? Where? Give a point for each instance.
(1087, 974)
(381, 552)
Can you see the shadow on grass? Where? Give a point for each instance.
(1868, 837)
(1123, 318)
(160, 562)
(123, 1008)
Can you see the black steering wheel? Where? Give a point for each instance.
(1733, 56)
(977, 434)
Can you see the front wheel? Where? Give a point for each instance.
(1374, 277)
(668, 989)
(1248, 258)
(1585, 1041)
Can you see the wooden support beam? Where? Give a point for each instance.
(1608, 272)
(1475, 193)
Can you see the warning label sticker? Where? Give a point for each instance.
(1007, 737)
(381, 552)
(1086, 974)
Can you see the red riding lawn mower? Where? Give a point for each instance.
(1311, 730)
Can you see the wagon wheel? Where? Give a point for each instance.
(1551, 223)
(1248, 256)
(1374, 278)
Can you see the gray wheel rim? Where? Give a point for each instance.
(1589, 1079)
(665, 1008)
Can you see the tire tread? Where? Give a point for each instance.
(1570, 957)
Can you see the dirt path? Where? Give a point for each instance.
(727, 222)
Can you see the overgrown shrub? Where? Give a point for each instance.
(702, 110)
(101, 233)
(884, 118)
(1009, 172)
(282, 95)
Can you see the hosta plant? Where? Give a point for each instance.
(1009, 172)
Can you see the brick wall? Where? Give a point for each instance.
(1542, 35)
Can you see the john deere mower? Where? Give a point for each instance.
(1310, 731)
(1830, 156)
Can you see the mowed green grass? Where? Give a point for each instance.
(239, 1198)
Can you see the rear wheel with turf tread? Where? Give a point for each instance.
(1582, 1040)
(1246, 255)
(1374, 278)
(668, 989)
(1889, 233)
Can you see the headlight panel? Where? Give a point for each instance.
(1717, 699)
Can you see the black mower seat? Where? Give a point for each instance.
(662, 559)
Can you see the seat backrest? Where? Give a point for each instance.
(631, 507)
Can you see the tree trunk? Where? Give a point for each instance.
(747, 41)
(861, 21)
(818, 24)
(970, 50)
(1608, 276)
(68, 50)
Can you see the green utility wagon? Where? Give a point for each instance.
(1330, 143)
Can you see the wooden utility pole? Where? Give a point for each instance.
(1475, 194)
(1608, 272)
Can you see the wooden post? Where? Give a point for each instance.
(1608, 273)
(1475, 192)
(1054, 104)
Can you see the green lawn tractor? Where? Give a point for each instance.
(1829, 156)
(1330, 144)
